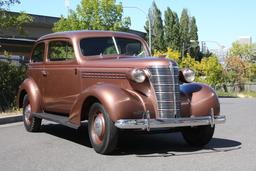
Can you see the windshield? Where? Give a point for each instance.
(111, 46)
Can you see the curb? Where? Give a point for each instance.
(10, 119)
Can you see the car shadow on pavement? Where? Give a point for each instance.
(143, 144)
(79, 136)
(170, 144)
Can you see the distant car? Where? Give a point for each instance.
(111, 80)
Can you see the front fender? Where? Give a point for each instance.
(30, 88)
(119, 103)
(199, 99)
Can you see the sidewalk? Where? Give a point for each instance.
(6, 119)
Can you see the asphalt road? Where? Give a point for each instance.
(59, 148)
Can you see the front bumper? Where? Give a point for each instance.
(148, 123)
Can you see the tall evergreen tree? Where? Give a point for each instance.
(157, 27)
(172, 28)
(184, 30)
(176, 32)
(168, 28)
(193, 29)
(193, 35)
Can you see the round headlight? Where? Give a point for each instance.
(189, 75)
(138, 75)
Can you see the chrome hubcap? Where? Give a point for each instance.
(99, 125)
(27, 113)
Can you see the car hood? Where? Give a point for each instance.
(128, 62)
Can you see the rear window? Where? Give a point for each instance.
(111, 46)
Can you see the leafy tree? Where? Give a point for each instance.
(157, 27)
(94, 15)
(184, 30)
(244, 51)
(211, 71)
(237, 71)
(8, 20)
(208, 70)
(170, 53)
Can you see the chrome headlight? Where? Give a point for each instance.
(138, 75)
(189, 75)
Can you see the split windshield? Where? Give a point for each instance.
(111, 46)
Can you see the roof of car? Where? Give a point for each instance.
(85, 33)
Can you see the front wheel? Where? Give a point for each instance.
(102, 131)
(31, 123)
(198, 136)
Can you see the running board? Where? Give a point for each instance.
(63, 120)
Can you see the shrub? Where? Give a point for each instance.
(11, 75)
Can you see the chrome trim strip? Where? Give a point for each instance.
(166, 75)
(173, 89)
(167, 109)
(164, 92)
(165, 84)
(114, 40)
(169, 122)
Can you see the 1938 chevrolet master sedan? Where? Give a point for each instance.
(110, 79)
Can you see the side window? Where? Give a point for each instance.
(60, 51)
(38, 53)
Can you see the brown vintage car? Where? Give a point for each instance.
(111, 80)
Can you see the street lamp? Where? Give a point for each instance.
(220, 53)
(183, 47)
(149, 23)
(212, 41)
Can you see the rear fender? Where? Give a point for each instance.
(198, 99)
(30, 88)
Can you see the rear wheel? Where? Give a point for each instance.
(102, 131)
(31, 123)
(198, 136)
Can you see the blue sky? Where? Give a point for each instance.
(217, 20)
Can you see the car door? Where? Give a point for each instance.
(36, 66)
(61, 80)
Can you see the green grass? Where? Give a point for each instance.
(245, 94)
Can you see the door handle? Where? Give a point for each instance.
(44, 73)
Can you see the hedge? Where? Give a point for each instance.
(11, 76)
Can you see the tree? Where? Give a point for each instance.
(237, 71)
(8, 19)
(94, 15)
(193, 35)
(210, 71)
(171, 29)
(176, 32)
(168, 28)
(244, 51)
(184, 30)
(157, 27)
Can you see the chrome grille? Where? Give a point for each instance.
(165, 80)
